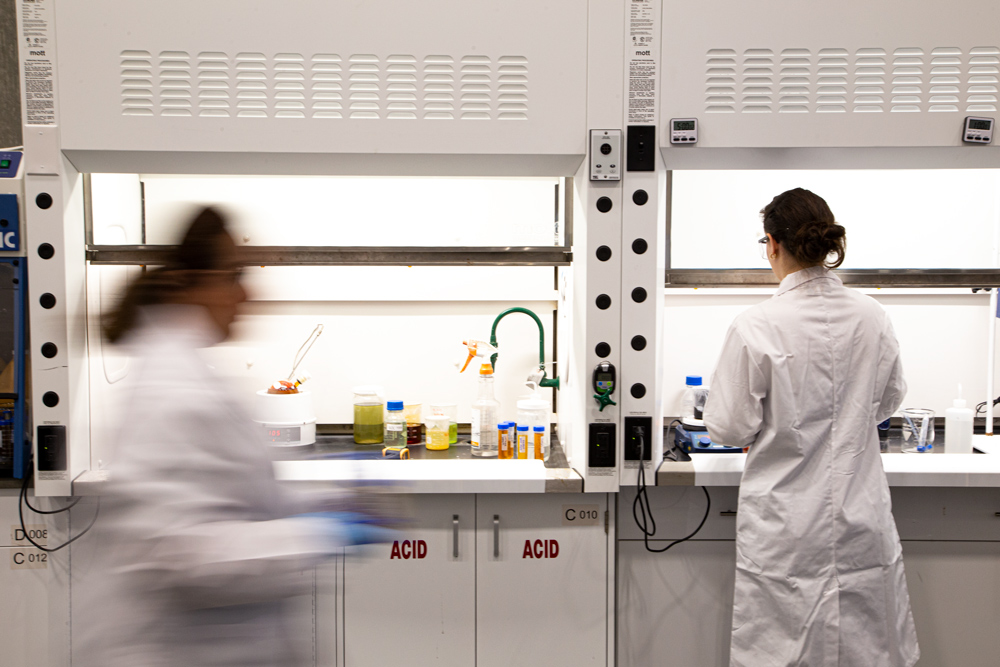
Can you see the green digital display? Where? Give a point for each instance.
(4, 164)
(683, 125)
(974, 124)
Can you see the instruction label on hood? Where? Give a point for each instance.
(38, 71)
(644, 27)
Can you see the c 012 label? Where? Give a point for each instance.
(36, 531)
(28, 559)
(581, 515)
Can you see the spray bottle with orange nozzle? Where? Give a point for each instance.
(485, 407)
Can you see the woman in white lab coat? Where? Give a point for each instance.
(197, 549)
(803, 380)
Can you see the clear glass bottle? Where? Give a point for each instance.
(693, 402)
(484, 415)
(395, 425)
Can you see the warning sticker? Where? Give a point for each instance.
(38, 90)
(643, 26)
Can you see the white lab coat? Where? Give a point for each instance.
(196, 551)
(803, 380)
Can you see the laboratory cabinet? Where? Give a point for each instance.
(34, 595)
(477, 579)
(541, 595)
(675, 608)
(413, 600)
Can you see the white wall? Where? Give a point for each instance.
(942, 335)
(355, 211)
(914, 218)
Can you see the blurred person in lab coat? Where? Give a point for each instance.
(198, 550)
(803, 380)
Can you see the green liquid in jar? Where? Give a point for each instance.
(368, 423)
(452, 433)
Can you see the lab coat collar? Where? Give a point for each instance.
(802, 276)
(181, 324)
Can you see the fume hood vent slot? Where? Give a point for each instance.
(324, 86)
(906, 79)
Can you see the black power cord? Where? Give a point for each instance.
(23, 500)
(644, 516)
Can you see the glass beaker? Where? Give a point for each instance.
(918, 430)
(437, 431)
(368, 415)
(449, 410)
(412, 412)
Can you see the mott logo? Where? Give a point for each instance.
(540, 549)
(408, 549)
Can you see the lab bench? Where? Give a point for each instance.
(679, 603)
(452, 470)
(936, 468)
(337, 458)
(492, 550)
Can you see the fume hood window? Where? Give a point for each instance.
(353, 211)
(931, 219)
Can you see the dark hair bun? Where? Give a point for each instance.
(804, 224)
(814, 241)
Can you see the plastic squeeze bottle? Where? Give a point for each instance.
(958, 427)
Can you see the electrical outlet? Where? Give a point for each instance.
(636, 427)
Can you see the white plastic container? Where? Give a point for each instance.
(958, 428)
(287, 420)
(532, 412)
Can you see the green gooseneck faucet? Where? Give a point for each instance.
(545, 381)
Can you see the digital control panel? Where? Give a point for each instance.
(605, 155)
(978, 130)
(9, 162)
(683, 130)
(282, 435)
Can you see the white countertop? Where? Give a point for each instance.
(969, 470)
(460, 476)
(412, 476)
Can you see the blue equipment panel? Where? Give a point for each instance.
(15, 448)
(10, 236)
(9, 162)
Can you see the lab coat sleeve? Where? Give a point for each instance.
(192, 510)
(890, 374)
(734, 410)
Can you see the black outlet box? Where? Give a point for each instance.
(640, 152)
(51, 444)
(636, 428)
(601, 452)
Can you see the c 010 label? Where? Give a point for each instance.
(581, 515)
(36, 531)
(28, 559)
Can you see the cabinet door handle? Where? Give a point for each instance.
(727, 513)
(454, 538)
(496, 536)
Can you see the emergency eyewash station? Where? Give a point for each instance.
(404, 177)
